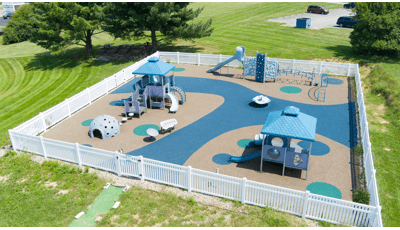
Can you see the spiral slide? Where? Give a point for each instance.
(239, 56)
(245, 157)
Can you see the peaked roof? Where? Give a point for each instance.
(154, 66)
(290, 123)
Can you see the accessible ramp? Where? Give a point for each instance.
(174, 102)
(245, 157)
(239, 56)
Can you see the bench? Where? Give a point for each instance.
(168, 124)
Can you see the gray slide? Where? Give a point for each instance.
(239, 56)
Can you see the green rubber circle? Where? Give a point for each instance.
(245, 143)
(179, 69)
(324, 189)
(87, 122)
(290, 89)
(141, 130)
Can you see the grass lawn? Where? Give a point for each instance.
(50, 194)
(146, 208)
(33, 79)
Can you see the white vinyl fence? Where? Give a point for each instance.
(304, 204)
(331, 68)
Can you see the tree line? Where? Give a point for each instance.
(57, 25)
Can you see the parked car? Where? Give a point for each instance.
(7, 15)
(349, 5)
(347, 21)
(317, 9)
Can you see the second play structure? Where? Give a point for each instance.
(153, 88)
(287, 124)
(263, 68)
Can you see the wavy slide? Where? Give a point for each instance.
(174, 102)
(239, 56)
(245, 157)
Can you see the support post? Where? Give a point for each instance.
(12, 140)
(198, 59)
(69, 109)
(189, 178)
(141, 168)
(305, 204)
(78, 154)
(42, 144)
(43, 121)
(293, 63)
(177, 57)
(87, 90)
(348, 70)
(117, 164)
(244, 189)
(320, 67)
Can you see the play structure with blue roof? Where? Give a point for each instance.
(153, 88)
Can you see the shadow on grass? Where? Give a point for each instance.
(348, 53)
(73, 57)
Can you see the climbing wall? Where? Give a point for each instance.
(250, 66)
(270, 69)
(260, 67)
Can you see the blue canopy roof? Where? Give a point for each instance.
(154, 66)
(290, 123)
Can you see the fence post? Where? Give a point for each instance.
(189, 178)
(198, 59)
(78, 153)
(116, 82)
(320, 67)
(43, 121)
(220, 58)
(348, 70)
(117, 164)
(87, 90)
(177, 57)
(293, 63)
(69, 109)
(44, 150)
(141, 168)
(244, 189)
(306, 196)
(12, 141)
(123, 72)
(106, 85)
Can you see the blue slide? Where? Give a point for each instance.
(245, 157)
(239, 56)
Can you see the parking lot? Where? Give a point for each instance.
(3, 22)
(318, 21)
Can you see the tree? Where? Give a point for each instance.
(133, 19)
(62, 24)
(21, 27)
(378, 30)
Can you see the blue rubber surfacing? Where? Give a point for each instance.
(234, 113)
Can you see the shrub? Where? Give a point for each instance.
(21, 27)
(361, 196)
(358, 150)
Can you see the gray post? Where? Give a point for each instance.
(189, 178)
(69, 109)
(44, 150)
(12, 141)
(87, 90)
(117, 164)
(78, 154)
(244, 189)
(308, 162)
(43, 121)
(305, 204)
(348, 70)
(141, 168)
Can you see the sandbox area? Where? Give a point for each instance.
(217, 114)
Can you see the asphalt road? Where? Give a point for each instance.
(318, 21)
(3, 22)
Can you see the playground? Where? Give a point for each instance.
(217, 119)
